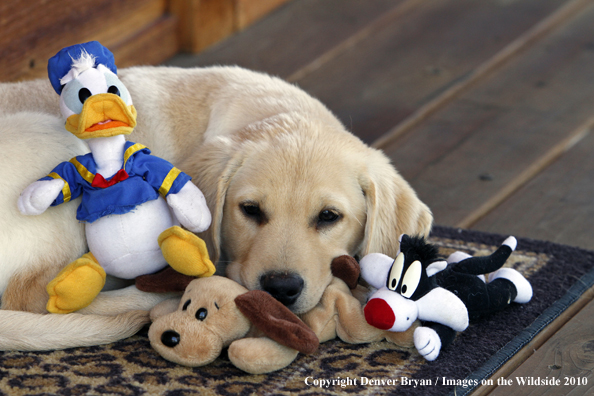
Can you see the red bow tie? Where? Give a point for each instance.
(99, 181)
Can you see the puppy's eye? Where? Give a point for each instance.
(252, 211)
(201, 314)
(328, 216)
(186, 304)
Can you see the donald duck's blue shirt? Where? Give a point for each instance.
(142, 178)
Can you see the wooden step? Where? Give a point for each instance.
(35, 30)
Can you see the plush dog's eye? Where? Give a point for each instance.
(328, 216)
(186, 304)
(201, 314)
(253, 211)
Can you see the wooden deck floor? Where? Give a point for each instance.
(485, 107)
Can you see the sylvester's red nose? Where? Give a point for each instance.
(379, 314)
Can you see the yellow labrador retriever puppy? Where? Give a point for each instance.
(288, 187)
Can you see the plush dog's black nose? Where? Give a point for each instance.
(286, 288)
(170, 338)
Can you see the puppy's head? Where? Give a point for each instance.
(297, 193)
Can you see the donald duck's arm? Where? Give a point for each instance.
(189, 206)
(61, 185)
(185, 199)
(39, 195)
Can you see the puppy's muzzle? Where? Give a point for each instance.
(286, 288)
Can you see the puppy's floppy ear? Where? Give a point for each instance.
(223, 185)
(393, 207)
(277, 321)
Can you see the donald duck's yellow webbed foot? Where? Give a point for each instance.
(185, 252)
(76, 286)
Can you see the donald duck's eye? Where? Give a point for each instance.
(113, 90)
(84, 94)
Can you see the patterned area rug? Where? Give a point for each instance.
(559, 275)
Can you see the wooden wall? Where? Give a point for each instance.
(138, 32)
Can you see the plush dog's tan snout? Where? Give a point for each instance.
(284, 287)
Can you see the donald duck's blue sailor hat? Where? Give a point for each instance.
(60, 64)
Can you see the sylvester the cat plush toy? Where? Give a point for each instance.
(442, 294)
(132, 202)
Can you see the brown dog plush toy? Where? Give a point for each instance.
(262, 334)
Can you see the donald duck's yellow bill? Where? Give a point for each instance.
(103, 115)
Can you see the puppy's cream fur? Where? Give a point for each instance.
(243, 137)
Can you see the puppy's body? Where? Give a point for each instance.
(289, 188)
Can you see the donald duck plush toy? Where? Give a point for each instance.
(132, 202)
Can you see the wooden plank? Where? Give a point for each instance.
(386, 78)
(249, 11)
(151, 46)
(354, 39)
(35, 30)
(469, 151)
(508, 369)
(556, 205)
(203, 22)
(488, 67)
(299, 33)
(568, 356)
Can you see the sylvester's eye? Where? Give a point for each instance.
(84, 94)
(396, 272)
(411, 279)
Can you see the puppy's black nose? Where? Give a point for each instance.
(170, 338)
(286, 288)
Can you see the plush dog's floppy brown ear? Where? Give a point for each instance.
(392, 207)
(347, 269)
(276, 321)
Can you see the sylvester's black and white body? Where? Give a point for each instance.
(442, 293)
